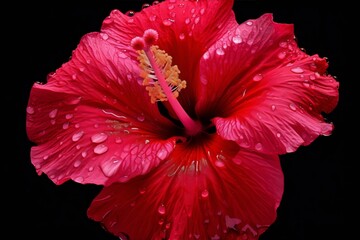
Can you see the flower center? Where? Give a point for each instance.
(161, 78)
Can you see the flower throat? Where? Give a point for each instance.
(161, 78)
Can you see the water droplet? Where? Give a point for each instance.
(77, 163)
(283, 44)
(77, 125)
(155, 2)
(84, 154)
(292, 106)
(76, 137)
(182, 36)
(258, 77)
(110, 167)
(236, 39)
(108, 20)
(306, 83)
(278, 135)
(142, 190)
(219, 163)
(297, 70)
(202, 11)
(282, 55)
(249, 23)
(162, 154)
(53, 113)
(206, 55)
(79, 179)
(168, 22)
(90, 169)
(220, 51)
(187, 20)
(153, 18)
(171, 7)
(30, 110)
(118, 140)
(258, 146)
(145, 5)
(147, 141)
(141, 118)
(104, 36)
(205, 193)
(197, 20)
(130, 13)
(161, 209)
(99, 138)
(100, 149)
(312, 77)
(65, 125)
(273, 107)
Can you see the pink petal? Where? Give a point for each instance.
(92, 122)
(267, 94)
(186, 29)
(218, 193)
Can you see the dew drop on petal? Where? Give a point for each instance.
(153, 18)
(206, 55)
(161, 209)
(141, 118)
(205, 193)
(162, 154)
(90, 169)
(292, 106)
(104, 36)
(187, 21)
(258, 77)
(99, 138)
(118, 140)
(249, 23)
(145, 5)
(306, 83)
(168, 22)
(219, 163)
(109, 168)
(65, 125)
(220, 51)
(182, 36)
(77, 163)
(282, 55)
(258, 146)
(297, 70)
(273, 107)
(68, 116)
(79, 179)
(236, 39)
(76, 137)
(53, 113)
(84, 154)
(30, 110)
(278, 135)
(100, 149)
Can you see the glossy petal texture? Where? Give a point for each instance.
(186, 30)
(210, 190)
(90, 120)
(271, 94)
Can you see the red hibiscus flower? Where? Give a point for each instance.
(181, 113)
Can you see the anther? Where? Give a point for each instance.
(138, 43)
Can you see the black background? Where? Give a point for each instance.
(41, 36)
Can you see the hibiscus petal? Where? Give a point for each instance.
(93, 122)
(220, 193)
(267, 94)
(186, 29)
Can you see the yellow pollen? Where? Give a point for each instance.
(170, 73)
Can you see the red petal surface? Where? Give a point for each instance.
(186, 30)
(263, 91)
(93, 122)
(206, 191)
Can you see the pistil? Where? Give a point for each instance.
(161, 80)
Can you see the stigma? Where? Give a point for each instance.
(161, 78)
